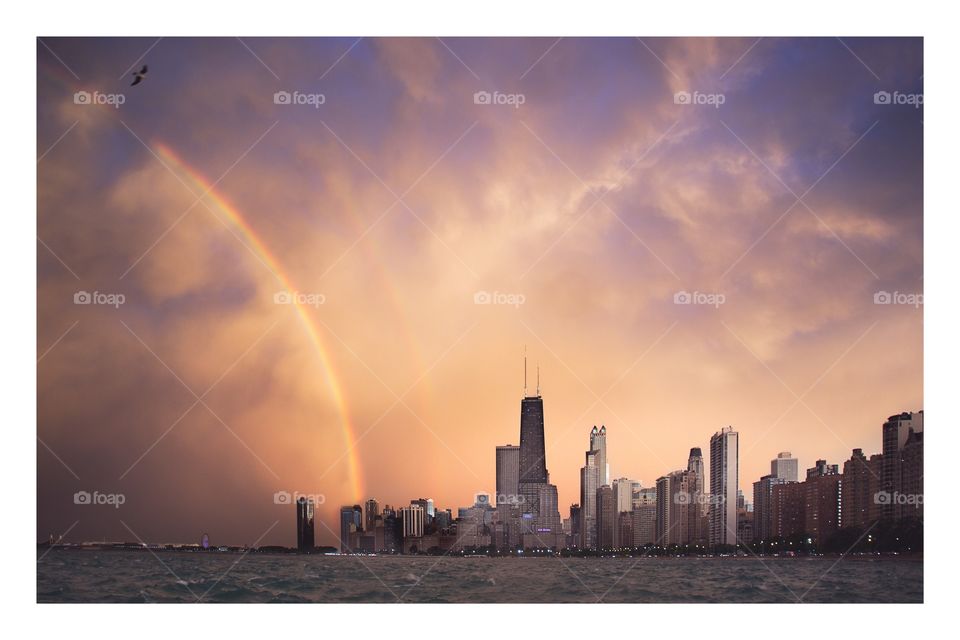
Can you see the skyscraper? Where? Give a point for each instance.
(858, 490)
(508, 474)
(677, 510)
(724, 473)
(589, 483)
(785, 466)
(623, 490)
(598, 443)
(763, 513)
(606, 517)
(896, 430)
(305, 531)
(351, 523)
(412, 517)
(533, 467)
(695, 464)
(370, 515)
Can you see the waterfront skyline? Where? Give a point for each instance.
(402, 372)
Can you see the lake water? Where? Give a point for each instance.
(124, 576)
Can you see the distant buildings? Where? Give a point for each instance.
(351, 524)
(785, 467)
(305, 526)
(724, 471)
(508, 474)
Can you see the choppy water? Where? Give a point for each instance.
(118, 576)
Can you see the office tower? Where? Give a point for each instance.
(896, 431)
(645, 517)
(413, 520)
(606, 517)
(910, 500)
(677, 508)
(350, 526)
(427, 505)
(695, 464)
(745, 525)
(392, 532)
(821, 468)
(589, 483)
(442, 519)
(785, 466)
(508, 474)
(858, 490)
(763, 512)
(305, 517)
(789, 503)
(598, 443)
(623, 489)
(575, 526)
(724, 472)
(370, 515)
(822, 502)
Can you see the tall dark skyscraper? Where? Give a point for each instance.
(533, 457)
(305, 513)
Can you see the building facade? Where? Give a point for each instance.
(724, 478)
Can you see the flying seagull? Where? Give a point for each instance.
(139, 75)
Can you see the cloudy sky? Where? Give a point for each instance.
(577, 187)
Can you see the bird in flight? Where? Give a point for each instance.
(139, 75)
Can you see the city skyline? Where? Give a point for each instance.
(240, 295)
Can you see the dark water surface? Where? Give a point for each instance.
(124, 576)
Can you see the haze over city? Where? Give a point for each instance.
(327, 257)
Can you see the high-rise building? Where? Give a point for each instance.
(413, 520)
(858, 490)
(606, 517)
(911, 477)
(508, 474)
(598, 443)
(623, 489)
(789, 502)
(763, 512)
(724, 475)
(677, 507)
(821, 468)
(645, 517)
(351, 524)
(305, 529)
(695, 464)
(370, 514)
(589, 483)
(822, 510)
(896, 432)
(785, 466)
(575, 526)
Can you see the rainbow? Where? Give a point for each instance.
(208, 190)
